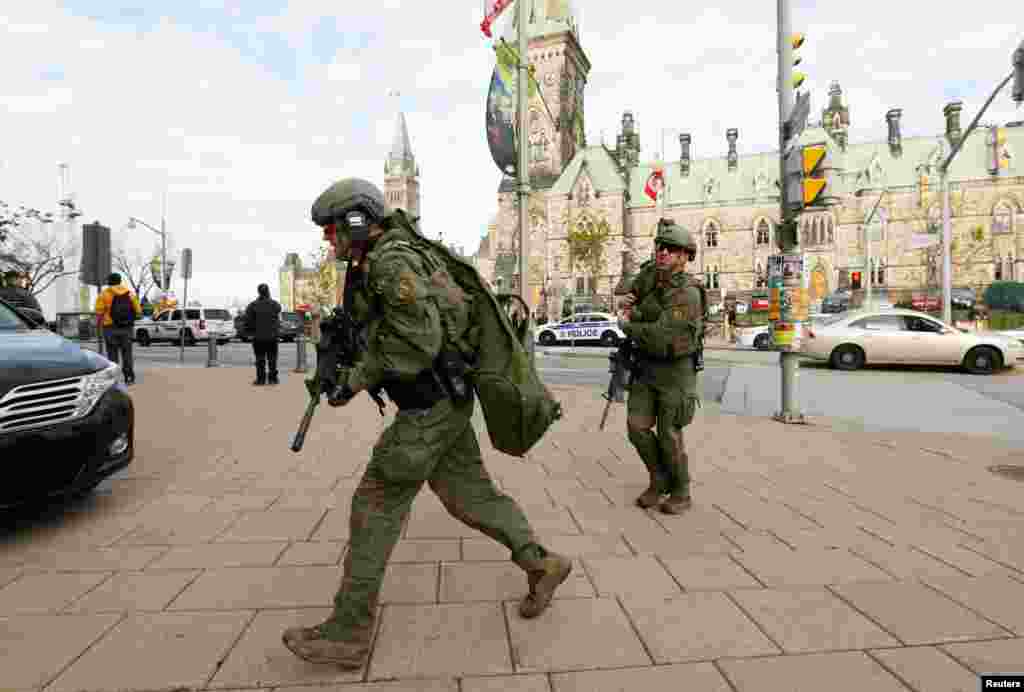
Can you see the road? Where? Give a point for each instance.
(748, 383)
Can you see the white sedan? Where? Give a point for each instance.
(852, 339)
(593, 326)
(761, 337)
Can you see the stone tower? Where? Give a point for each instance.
(401, 174)
(561, 74)
(836, 118)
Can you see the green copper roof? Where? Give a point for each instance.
(870, 165)
(545, 17)
(600, 167)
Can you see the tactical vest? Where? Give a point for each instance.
(646, 281)
(518, 408)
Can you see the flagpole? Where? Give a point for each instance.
(522, 169)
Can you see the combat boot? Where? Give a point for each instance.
(311, 644)
(272, 379)
(261, 375)
(652, 496)
(676, 503)
(544, 575)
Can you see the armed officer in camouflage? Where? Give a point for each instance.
(431, 439)
(663, 316)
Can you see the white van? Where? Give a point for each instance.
(201, 324)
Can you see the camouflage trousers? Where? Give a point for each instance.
(656, 416)
(437, 446)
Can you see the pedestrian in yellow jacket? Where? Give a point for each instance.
(116, 311)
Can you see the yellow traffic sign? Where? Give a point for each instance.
(796, 40)
(813, 154)
(812, 188)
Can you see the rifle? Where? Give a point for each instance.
(620, 364)
(342, 339)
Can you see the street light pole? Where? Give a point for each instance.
(523, 171)
(162, 232)
(947, 231)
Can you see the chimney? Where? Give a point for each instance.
(895, 137)
(731, 135)
(952, 113)
(626, 279)
(684, 154)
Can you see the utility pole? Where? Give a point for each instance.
(522, 169)
(789, 361)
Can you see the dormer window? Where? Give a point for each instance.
(711, 235)
(763, 232)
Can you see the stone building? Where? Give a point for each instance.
(732, 201)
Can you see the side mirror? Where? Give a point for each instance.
(34, 316)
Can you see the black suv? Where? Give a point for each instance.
(288, 329)
(66, 419)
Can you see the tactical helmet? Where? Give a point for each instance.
(671, 233)
(348, 195)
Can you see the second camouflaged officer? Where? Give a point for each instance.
(664, 318)
(431, 440)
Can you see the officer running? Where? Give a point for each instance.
(664, 317)
(431, 439)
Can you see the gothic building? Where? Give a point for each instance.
(732, 201)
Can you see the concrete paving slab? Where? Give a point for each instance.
(259, 659)
(997, 598)
(182, 529)
(990, 657)
(237, 588)
(624, 576)
(784, 567)
(904, 562)
(810, 620)
(243, 502)
(418, 641)
(214, 555)
(28, 666)
(575, 634)
(677, 544)
(427, 550)
(586, 546)
(927, 669)
(436, 685)
(272, 525)
(836, 672)
(916, 614)
(694, 676)
(312, 553)
(410, 582)
(506, 683)
(463, 582)
(134, 591)
(709, 573)
(96, 559)
(47, 592)
(698, 626)
(479, 549)
(165, 651)
(333, 527)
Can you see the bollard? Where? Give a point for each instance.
(300, 345)
(211, 360)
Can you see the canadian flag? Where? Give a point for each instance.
(492, 8)
(655, 183)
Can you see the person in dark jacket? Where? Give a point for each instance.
(262, 322)
(15, 294)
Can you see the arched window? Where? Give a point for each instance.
(1002, 219)
(879, 277)
(711, 235)
(714, 278)
(819, 229)
(805, 234)
(831, 231)
(998, 268)
(707, 278)
(1009, 273)
(763, 232)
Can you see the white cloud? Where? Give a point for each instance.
(242, 151)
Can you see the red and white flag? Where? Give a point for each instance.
(655, 183)
(492, 8)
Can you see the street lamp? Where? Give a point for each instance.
(162, 232)
(1017, 75)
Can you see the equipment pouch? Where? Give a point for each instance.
(455, 374)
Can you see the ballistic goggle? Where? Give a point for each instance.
(356, 224)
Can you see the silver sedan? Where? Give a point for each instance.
(850, 340)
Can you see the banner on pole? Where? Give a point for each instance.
(492, 9)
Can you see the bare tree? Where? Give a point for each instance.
(135, 267)
(321, 288)
(12, 218)
(37, 251)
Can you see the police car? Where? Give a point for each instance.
(594, 326)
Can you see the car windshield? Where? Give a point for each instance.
(9, 320)
(290, 316)
(217, 314)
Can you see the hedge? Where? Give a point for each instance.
(1005, 295)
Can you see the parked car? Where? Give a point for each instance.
(836, 303)
(593, 326)
(66, 418)
(201, 324)
(963, 298)
(851, 340)
(761, 337)
(1017, 334)
(288, 329)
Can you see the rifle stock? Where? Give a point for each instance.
(620, 365)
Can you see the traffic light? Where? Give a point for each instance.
(855, 280)
(1018, 74)
(805, 180)
(797, 40)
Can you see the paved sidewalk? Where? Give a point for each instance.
(814, 558)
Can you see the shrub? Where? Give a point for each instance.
(1005, 295)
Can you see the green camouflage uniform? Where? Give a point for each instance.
(436, 445)
(665, 326)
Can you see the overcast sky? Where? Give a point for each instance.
(244, 111)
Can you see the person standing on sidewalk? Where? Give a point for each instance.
(263, 322)
(664, 316)
(116, 311)
(431, 440)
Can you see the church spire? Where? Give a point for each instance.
(401, 174)
(401, 149)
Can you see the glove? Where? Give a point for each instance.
(340, 396)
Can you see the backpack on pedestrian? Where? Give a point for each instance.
(518, 408)
(122, 310)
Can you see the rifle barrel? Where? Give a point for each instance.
(307, 418)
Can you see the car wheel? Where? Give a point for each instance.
(142, 336)
(190, 339)
(609, 338)
(983, 360)
(848, 357)
(762, 342)
(547, 339)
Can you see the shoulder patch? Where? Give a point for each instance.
(406, 287)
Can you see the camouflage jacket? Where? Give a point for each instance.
(402, 304)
